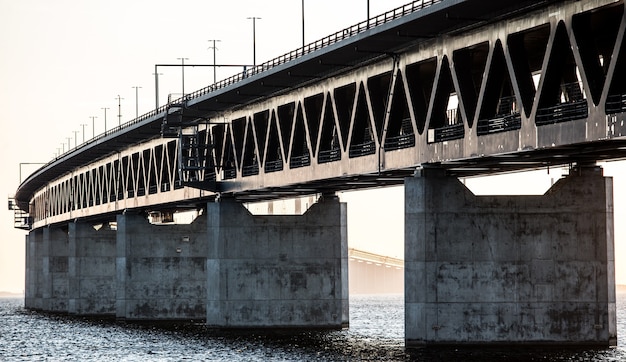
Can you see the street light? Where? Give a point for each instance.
(214, 63)
(136, 101)
(183, 72)
(254, 19)
(156, 86)
(105, 119)
(303, 23)
(93, 126)
(83, 125)
(75, 139)
(119, 110)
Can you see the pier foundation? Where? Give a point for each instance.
(91, 267)
(509, 269)
(161, 273)
(279, 271)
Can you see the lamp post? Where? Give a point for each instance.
(303, 23)
(156, 86)
(93, 126)
(214, 63)
(83, 125)
(183, 72)
(136, 101)
(68, 143)
(119, 110)
(75, 138)
(368, 13)
(254, 19)
(105, 119)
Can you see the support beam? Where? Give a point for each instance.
(509, 269)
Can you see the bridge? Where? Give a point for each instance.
(417, 96)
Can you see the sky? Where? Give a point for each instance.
(64, 62)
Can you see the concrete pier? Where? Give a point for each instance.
(55, 269)
(509, 269)
(278, 270)
(228, 267)
(161, 272)
(91, 269)
(34, 270)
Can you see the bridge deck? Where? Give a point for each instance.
(535, 84)
(361, 43)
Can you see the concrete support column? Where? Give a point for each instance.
(34, 272)
(277, 270)
(92, 271)
(54, 264)
(509, 269)
(160, 270)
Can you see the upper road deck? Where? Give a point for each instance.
(534, 84)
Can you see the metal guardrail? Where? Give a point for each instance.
(300, 161)
(500, 123)
(329, 155)
(616, 103)
(446, 133)
(250, 170)
(273, 166)
(562, 112)
(362, 149)
(399, 142)
(287, 57)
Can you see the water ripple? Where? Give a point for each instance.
(376, 334)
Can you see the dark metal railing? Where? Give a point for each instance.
(273, 166)
(562, 112)
(616, 103)
(508, 118)
(446, 133)
(230, 173)
(499, 124)
(331, 155)
(299, 161)
(399, 142)
(572, 107)
(250, 170)
(362, 149)
(453, 128)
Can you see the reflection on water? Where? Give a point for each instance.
(376, 334)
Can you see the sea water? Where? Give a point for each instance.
(376, 334)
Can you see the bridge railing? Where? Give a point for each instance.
(287, 57)
(316, 45)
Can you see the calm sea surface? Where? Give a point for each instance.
(376, 334)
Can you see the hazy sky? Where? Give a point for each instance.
(62, 61)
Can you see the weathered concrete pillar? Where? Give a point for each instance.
(161, 272)
(34, 272)
(54, 267)
(277, 270)
(509, 269)
(92, 272)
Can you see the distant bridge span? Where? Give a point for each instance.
(433, 90)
